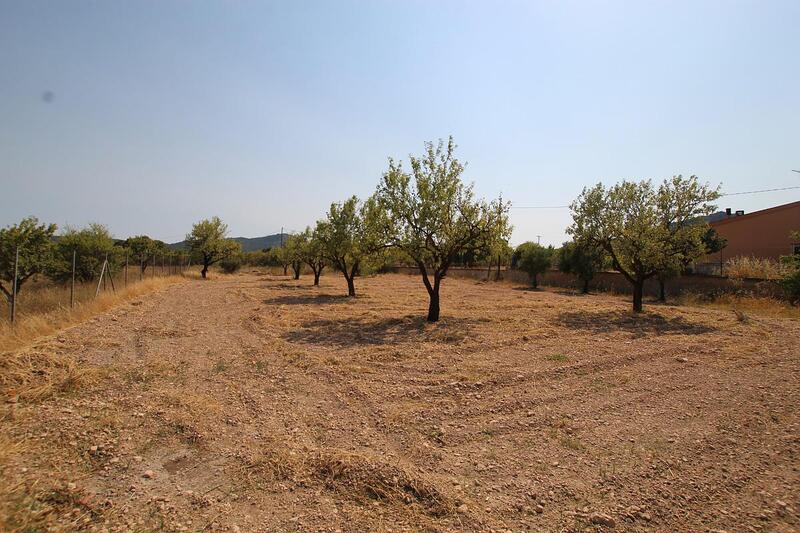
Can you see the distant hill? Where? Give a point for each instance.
(248, 244)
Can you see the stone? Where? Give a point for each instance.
(463, 508)
(602, 519)
(148, 474)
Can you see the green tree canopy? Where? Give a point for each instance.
(434, 216)
(582, 260)
(34, 242)
(208, 243)
(534, 259)
(349, 235)
(92, 245)
(294, 251)
(312, 252)
(143, 250)
(643, 229)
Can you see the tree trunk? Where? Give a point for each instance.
(662, 293)
(638, 290)
(433, 306)
(296, 269)
(285, 270)
(204, 271)
(316, 276)
(497, 276)
(586, 286)
(535, 281)
(351, 287)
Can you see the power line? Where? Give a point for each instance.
(539, 206)
(725, 194)
(762, 190)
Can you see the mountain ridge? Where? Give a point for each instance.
(249, 244)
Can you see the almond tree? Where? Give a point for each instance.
(645, 230)
(349, 236)
(434, 216)
(208, 242)
(581, 260)
(311, 252)
(144, 249)
(293, 252)
(34, 242)
(534, 259)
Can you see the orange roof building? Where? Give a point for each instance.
(764, 234)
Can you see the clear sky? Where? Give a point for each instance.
(148, 116)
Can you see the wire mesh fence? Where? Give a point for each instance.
(80, 278)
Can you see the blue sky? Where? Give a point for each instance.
(263, 113)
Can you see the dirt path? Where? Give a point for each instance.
(255, 403)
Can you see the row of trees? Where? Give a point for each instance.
(42, 252)
(635, 228)
(424, 215)
(427, 216)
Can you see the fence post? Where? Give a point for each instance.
(100, 281)
(72, 287)
(14, 287)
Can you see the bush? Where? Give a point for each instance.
(791, 287)
(231, 264)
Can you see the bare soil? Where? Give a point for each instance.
(259, 403)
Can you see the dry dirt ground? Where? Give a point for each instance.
(259, 403)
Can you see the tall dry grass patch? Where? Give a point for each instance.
(756, 268)
(755, 305)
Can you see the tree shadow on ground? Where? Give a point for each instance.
(307, 299)
(367, 331)
(529, 288)
(639, 325)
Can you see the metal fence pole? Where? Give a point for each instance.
(14, 287)
(72, 287)
(100, 281)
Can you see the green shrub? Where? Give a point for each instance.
(231, 264)
(791, 287)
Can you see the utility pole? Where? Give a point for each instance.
(538, 239)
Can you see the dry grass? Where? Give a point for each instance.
(359, 476)
(54, 313)
(755, 268)
(260, 403)
(34, 372)
(755, 305)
